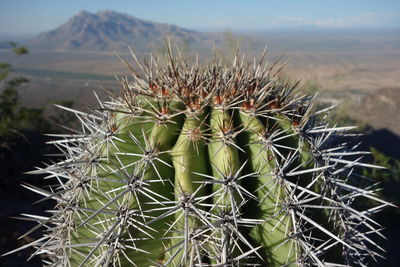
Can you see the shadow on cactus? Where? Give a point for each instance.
(207, 165)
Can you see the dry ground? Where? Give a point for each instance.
(360, 69)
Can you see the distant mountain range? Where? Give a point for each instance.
(107, 30)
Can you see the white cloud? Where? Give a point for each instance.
(339, 22)
(366, 19)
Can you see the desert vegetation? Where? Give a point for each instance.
(199, 164)
(359, 69)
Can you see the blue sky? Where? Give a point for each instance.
(31, 16)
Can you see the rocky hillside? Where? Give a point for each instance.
(107, 30)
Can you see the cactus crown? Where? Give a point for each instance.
(207, 165)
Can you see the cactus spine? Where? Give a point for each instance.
(207, 165)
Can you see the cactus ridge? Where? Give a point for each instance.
(207, 165)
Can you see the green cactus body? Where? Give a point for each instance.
(113, 198)
(189, 158)
(224, 157)
(206, 166)
(273, 233)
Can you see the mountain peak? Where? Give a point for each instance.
(108, 12)
(83, 13)
(107, 30)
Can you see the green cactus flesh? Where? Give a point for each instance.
(207, 165)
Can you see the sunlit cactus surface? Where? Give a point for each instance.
(206, 164)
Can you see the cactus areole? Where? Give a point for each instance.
(206, 165)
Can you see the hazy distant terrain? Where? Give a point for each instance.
(360, 67)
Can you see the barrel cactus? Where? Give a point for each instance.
(198, 164)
